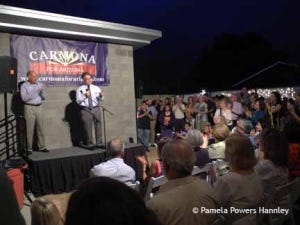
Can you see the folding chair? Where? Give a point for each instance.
(154, 182)
(289, 193)
(135, 186)
(205, 169)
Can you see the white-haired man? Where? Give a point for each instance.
(115, 167)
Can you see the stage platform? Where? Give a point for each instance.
(61, 170)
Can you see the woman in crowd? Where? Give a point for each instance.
(275, 111)
(259, 112)
(241, 187)
(44, 212)
(223, 114)
(220, 133)
(167, 122)
(201, 109)
(190, 112)
(272, 166)
(195, 139)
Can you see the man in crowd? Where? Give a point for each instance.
(115, 166)
(179, 200)
(179, 110)
(152, 109)
(88, 96)
(144, 116)
(33, 97)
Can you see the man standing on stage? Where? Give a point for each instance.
(88, 96)
(32, 96)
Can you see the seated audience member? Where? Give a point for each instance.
(156, 168)
(195, 139)
(182, 134)
(241, 187)
(60, 201)
(9, 209)
(177, 198)
(206, 130)
(220, 133)
(272, 166)
(44, 212)
(245, 127)
(115, 167)
(105, 201)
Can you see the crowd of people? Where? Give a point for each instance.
(250, 133)
(241, 112)
(106, 198)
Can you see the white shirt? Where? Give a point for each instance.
(82, 100)
(226, 113)
(115, 168)
(178, 111)
(236, 108)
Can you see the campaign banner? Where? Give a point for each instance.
(60, 62)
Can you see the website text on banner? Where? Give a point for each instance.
(60, 62)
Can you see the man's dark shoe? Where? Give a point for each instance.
(90, 147)
(29, 151)
(100, 146)
(44, 150)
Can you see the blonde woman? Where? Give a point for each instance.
(44, 212)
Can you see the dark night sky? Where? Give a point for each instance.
(187, 26)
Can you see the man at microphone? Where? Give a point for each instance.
(88, 96)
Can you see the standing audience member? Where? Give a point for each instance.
(241, 187)
(115, 167)
(201, 109)
(292, 128)
(102, 200)
(190, 111)
(237, 109)
(182, 193)
(211, 107)
(154, 113)
(179, 110)
(245, 97)
(144, 117)
(275, 110)
(88, 96)
(33, 97)
(223, 114)
(167, 122)
(258, 113)
(44, 212)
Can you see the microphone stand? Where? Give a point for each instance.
(104, 128)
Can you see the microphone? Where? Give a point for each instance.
(88, 87)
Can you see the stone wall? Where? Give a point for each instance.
(119, 99)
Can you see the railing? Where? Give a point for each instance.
(9, 141)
